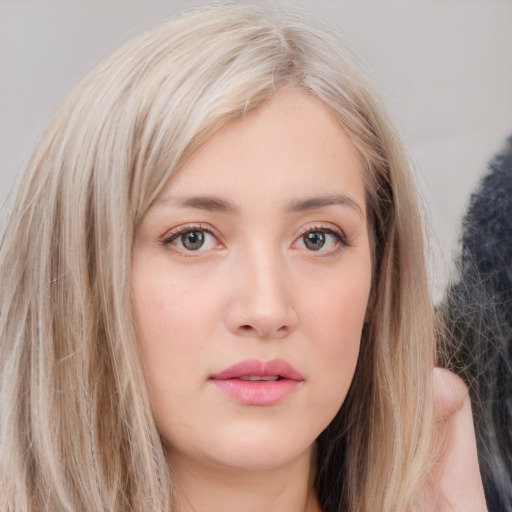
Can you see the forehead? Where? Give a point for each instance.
(291, 146)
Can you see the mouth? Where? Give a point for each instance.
(254, 382)
(254, 378)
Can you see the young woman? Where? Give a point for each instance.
(214, 293)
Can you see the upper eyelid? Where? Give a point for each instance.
(323, 227)
(186, 228)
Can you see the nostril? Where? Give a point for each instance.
(250, 330)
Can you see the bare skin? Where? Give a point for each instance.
(455, 484)
(284, 489)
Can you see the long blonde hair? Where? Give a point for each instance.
(76, 429)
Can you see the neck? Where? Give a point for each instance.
(203, 488)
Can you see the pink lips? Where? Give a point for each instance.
(254, 382)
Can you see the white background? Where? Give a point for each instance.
(444, 66)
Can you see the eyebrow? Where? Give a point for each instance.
(215, 204)
(212, 204)
(315, 203)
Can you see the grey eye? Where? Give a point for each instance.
(314, 240)
(189, 239)
(193, 240)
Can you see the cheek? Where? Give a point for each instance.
(170, 331)
(335, 318)
(334, 312)
(172, 338)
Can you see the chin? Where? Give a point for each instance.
(248, 450)
(260, 458)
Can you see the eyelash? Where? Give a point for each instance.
(341, 240)
(183, 230)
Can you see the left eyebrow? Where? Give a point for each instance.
(315, 203)
(208, 203)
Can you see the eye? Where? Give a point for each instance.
(191, 239)
(321, 240)
(314, 240)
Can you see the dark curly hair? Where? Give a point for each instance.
(476, 325)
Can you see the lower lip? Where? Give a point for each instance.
(257, 392)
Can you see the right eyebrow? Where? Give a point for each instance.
(212, 204)
(314, 203)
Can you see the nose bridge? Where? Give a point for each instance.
(262, 305)
(268, 273)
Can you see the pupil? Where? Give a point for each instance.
(314, 241)
(193, 240)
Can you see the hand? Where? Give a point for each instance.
(454, 484)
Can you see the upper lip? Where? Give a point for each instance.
(257, 368)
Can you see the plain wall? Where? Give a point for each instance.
(443, 66)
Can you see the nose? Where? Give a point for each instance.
(261, 304)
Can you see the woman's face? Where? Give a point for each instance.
(251, 275)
